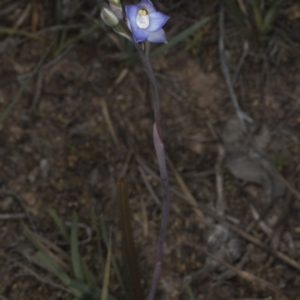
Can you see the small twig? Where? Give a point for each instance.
(260, 244)
(21, 202)
(263, 225)
(243, 118)
(243, 7)
(34, 274)
(288, 185)
(118, 80)
(219, 180)
(171, 93)
(280, 224)
(241, 62)
(88, 231)
(225, 220)
(266, 298)
(9, 9)
(145, 222)
(60, 27)
(110, 126)
(149, 187)
(189, 197)
(275, 171)
(46, 66)
(61, 257)
(12, 216)
(247, 276)
(126, 164)
(38, 91)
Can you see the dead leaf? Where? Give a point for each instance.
(245, 163)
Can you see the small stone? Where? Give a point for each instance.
(29, 198)
(2, 98)
(6, 203)
(44, 167)
(94, 177)
(33, 175)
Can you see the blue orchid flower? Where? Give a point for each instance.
(145, 22)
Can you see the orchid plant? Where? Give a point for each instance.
(143, 25)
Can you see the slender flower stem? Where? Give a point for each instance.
(160, 153)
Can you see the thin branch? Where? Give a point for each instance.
(248, 276)
(12, 216)
(219, 180)
(228, 221)
(189, 197)
(21, 202)
(149, 187)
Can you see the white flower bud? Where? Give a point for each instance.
(117, 10)
(109, 17)
(115, 2)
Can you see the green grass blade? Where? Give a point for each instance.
(257, 15)
(59, 224)
(90, 293)
(76, 260)
(54, 267)
(115, 265)
(20, 92)
(58, 11)
(79, 37)
(128, 242)
(78, 285)
(31, 238)
(271, 15)
(289, 43)
(180, 37)
(188, 289)
(13, 102)
(98, 238)
(235, 11)
(88, 276)
(105, 285)
(13, 31)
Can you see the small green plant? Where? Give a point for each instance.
(256, 18)
(78, 278)
(280, 161)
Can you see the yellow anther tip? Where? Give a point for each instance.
(143, 12)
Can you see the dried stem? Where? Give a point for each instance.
(243, 118)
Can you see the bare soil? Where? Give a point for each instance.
(78, 127)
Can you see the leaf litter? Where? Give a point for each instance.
(246, 163)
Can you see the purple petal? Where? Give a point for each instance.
(157, 21)
(147, 4)
(158, 36)
(128, 24)
(131, 12)
(139, 34)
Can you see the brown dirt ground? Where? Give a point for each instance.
(57, 150)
